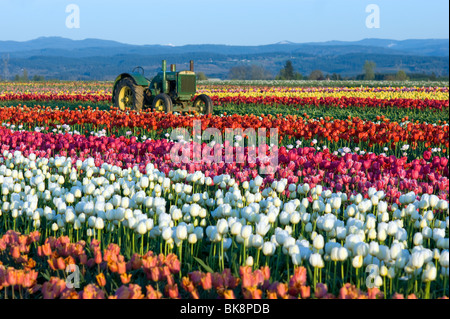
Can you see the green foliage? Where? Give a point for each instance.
(38, 78)
(336, 77)
(433, 77)
(288, 73)
(201, 76)
(246, 72)
(25, 75)
(369, 70)
(401, 76)
(316, 75)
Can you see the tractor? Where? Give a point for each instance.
(167, 92)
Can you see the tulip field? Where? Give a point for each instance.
(92, 205)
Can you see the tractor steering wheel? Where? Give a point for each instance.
(139, 68)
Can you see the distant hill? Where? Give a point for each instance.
(55, 57)
(427, 47)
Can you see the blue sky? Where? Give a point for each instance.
(243, 22)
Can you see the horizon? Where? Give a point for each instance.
(287, 42)
(231, 22)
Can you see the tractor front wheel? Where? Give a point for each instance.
(128, 95)
(162, 103)
(203, 104)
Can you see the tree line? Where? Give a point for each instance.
(26, 78)
(258, 72)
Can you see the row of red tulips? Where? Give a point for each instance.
(351, 130)
(341, 102)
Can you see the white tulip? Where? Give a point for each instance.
(427, 232)
(69, 217)
(318, 242)
(382, 207)
(442, 205)
(383, 271)
(141, 228)
(357, 261)
(167, 233)
(381, 235)
(192, 239)
(430, 273)
(236, 228)
(378, 282)
(418, 239)
(328, 223)
(222, 226)
(176, 214)
(99, 224)
(342, 254)
(336, 202)
(375, 200)
(334, 254)
(257, 241)
(268, 249)
(443, 260)
(417, 260)
(263, 227)
(55, 227)
(392, 228)
(374, 248)
(316, 260)
(433, 201)
(246, 231)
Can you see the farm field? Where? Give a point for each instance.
(355, 208)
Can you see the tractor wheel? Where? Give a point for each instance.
(203, 104)
(162, 103)
(128, 95)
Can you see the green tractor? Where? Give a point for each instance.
(167, 92)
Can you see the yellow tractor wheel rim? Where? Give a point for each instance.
(199, 105)
(125, 98)
(159, 106)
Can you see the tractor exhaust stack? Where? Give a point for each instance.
(191, 66)
(164, 81)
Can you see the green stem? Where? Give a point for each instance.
(180, 250)
(427, 290)
(315, 279)
(287, 265)
(335, 271)
(257, 258)
(358, 283)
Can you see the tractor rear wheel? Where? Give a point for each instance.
(128, 95)
(203, 104)
(162, 103)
